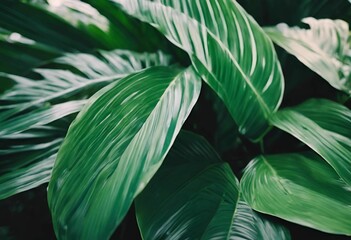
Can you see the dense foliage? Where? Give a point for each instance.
(183, 109)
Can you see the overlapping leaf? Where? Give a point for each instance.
(114, 147)
(323, 125)
(195, 195)
(324, 48)
(228, 49)
(36, 113)
(301, 188)
(68, 25)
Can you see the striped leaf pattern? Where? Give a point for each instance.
(324, 48)
(227, 48)
(114, 147)
(301, 188)
(324, 126)
(195, 195)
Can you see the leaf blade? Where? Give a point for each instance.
(250, 82)
(324, 126)
(148, 109)
(315, 198)
(195, 195)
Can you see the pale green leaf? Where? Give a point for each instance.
(114, 147)
(228, 49)
(195, 195)
(301, 188)
(324, 48)
(324, 126)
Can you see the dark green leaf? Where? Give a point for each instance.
(26, 137)
(67, 25)
(114, 147)
(301, 188)
(324, 126)
(324, 48)
(195, 195)
(228, 49)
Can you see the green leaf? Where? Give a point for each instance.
(228, 49)
(195, 195)
(114, 147)
(67, 25)
(19, 54)
(30, 124)
(324, 48)
(315, 197)
(80, 74)
(324, 126)
(26, 167)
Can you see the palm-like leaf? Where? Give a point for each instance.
(228, 49)
(118, 141)
(323, 125)
(195, 195)
(315, 197)
(324, 48)
(26, 111)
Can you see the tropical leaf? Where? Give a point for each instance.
(324, 126)
(195, 195)
(114, 147)
(268, 12)
(31, 119)
(62, 24)
(324, 48)
(247, 77)
(20, 54)
(88, 72)
(315, 197)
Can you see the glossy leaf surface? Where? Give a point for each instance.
(324, 126)
(228, 49)
(195, 195)
(324, 48)
(114, 147)
(35, 114)
(315, 197)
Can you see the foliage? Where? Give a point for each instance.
(105, 101)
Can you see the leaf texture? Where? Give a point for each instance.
(35, 114)
(114, 147)
(195, 195)
(315, 197)
(324, 126)
(324, 48)
(228, 49)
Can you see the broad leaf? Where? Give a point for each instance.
(324, 48)
(195, 195)
(228, 49)
(324, 126)
(315, 197)
(114, 147)
(30, 123)
(63, 24)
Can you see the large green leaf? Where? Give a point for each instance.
(301, 188)
(323, 125)
(66, 24)
(228, 49)
(32, 128)
(114, 147)
(324, 48)
(195, 195)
